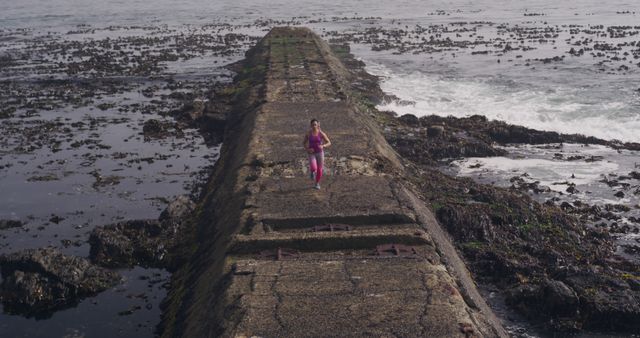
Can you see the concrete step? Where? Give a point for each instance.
(277, 224)
(326, 241)
(356, 200)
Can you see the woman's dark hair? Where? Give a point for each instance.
(313, 120)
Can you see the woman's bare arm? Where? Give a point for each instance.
(305, 142)
(326, 140)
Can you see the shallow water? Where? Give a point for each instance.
(103, 315)
(60, 200)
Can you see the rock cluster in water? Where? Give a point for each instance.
(141, 242)
(36, 282)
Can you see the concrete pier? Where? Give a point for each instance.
(272, 257)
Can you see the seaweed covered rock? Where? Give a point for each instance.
(493, 131)
(9, 223)
(434, 143)
(127, 243)
(141, 242)
(178, 209)
(37, 282)
(466, 224)
(553, 299)
(555, 269)
(153, 127)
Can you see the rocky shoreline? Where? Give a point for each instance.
(549, 263)
(553, 267)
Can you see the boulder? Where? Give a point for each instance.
(141, 242)
(198, 108)
(435, 131)
(9, 223)
(178, 209)
(37, 282)
(466, 225)
(409, 119)
(559, 299)
(152, 127)
(128, 243)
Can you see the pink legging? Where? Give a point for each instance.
(316, 160)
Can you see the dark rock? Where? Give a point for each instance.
(435, 131)
(594, 159)
(619, 194)
(37, 282)
(504, 133)
(9, 223)
(141, 242)
(566, 206)
(56, 219)
(552, 299)
(409, 119)
(198, 108)
(216, 120)
(572, 189)
(445, 146)
(178, 209)
(559, 299)
(152, 126)
(465, 224)
(128, 243)
(606, 303)
(525, 298)
(111, 248)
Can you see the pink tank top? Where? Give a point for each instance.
(315, 141)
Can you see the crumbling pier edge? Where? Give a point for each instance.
(259, 197)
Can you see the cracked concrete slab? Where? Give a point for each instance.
(380, 296)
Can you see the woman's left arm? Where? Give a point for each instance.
(326, 140)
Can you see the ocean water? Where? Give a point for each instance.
(436, 57)
(585, 94)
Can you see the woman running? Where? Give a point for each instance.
(314, 143)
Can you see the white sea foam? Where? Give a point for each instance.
(557, 108)
(546, 171)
